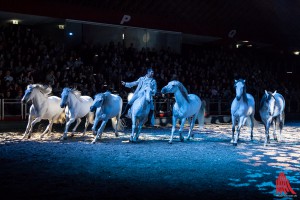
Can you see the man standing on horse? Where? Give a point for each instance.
(141, 84)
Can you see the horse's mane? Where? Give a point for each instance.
(105, 94)
(183, 90)
(45, 89)
(76, 92)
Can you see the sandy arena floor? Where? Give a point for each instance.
(207, 167)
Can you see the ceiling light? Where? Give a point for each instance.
(61, 26)
(15, 21)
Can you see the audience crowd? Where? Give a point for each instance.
(27, 57)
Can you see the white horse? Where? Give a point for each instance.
(109, 106)
(186, 106)
(43, 107)
(242, 107)
(271, 110)
(77, 106)
(139, 112)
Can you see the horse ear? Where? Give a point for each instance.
(235, 81)
(266, 92)
(274, 92)
(244, 81)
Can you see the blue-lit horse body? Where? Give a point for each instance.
(186, 106)
(107, 106)
(271, 110)
(77, 107)
(139, 112)
(242, 108)
(43, 107)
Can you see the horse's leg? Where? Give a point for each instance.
(181, 129)
(133, 129)
(100, 131)
(243, 124)
(50, 127)
(117, 125)
(267, 127)
(251, 126)
(47, 129)
(238, 130)
(78, 120)
(281, 123)
(174, 119)
(97, 119)
(274, 128)
(87, 122)
(36, 120)
(30, 119)
(139, 129)
(71, 120)
(192, 124)
(233, 127)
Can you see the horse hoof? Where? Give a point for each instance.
(116, 134)
(63, 138)
(170, 142)
(93, 142)
(235, 144)
(181, 139)
(72, 135)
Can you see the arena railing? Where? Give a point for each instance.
(13, 109)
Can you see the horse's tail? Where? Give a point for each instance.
(61, 119)
(120, 124)
(90, 117)
(201, 115)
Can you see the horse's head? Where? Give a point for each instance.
(35, 89)
(268, 102)
(28, 94)
(64, 97)
(147, 93)
(98, 101)
(170, 88)
(173, 87)
(240, 88)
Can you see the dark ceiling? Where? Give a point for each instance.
(275, 22)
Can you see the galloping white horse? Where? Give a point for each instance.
(139, 112)
(77, 107)
(43, 107)
(109, 106)
(271, 110)
(242, 107)
(186, 106)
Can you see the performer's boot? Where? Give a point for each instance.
(125, 110)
